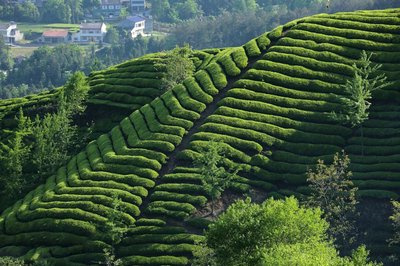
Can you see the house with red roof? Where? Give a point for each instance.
(54, 36)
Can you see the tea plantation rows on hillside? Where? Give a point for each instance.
(268, 101)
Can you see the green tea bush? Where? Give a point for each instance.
(239, 55)
(204, 80)
(339, 69)
(191, 189)
(235, 142)
(163, 239)
(229, 66)
(280, 134)
(252, 49)
(157, 249)
(266, 108)
(331, 21)
(377, 194)
(217, 75)
(349, 33)
(361, 44)
(42, 239)
(176, 108)
(141, 230)
(275, 34)
(284, 80)
(164, 212)
(155, 126)
(307, 105)
(178, 197)
(163, 115)
(186, 101)
(145, 222)
(196, 92)
(284, 122)
(263, 42)
(183, 177)
(161, 260)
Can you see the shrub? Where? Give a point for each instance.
(196, 92)
(239, 55)
(176, 108)
(163, 260)
(252, 49)
(275, 34)
(163, 115)
(178, 197)
(204, 80)
(377, 194)
(263, 42)
(217, 75)
(186, 101)
(229, 66)
(235, 142)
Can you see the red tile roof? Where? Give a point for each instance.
(55, 33)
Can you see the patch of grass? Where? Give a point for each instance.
(22, 51)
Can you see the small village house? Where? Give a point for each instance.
(90, 32)
(110, 8)
(10, 33)
(135, 5)
(134, 24)
(54, 36)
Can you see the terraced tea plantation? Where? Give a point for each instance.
(114, 93)
(269, 102)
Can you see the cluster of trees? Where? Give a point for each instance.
(41, 145)
(180, 10)
(61, 11)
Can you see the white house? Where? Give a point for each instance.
(10, 33)
(138, 27)
(90, 32)
(135, 24)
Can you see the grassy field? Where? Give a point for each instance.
(39, 28)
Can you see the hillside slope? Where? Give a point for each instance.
(114, 93)
(269, 101)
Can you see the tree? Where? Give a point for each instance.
(188, 9)
(13, 158)
(27, 11)
(215, 177)
(178, 67)
(334, 192)
(75, 93)
(395, 218)
(276, 232)
(76, 9)
(112, 36)
(56, 11)
(359, 93)
(116, 228)
(6, 61)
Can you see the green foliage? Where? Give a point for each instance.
(359, 90)
(178, 67)
(9, 261)
(335, 194)
(277, 232)
(246, 231)
(215, 178)
(395, 219)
